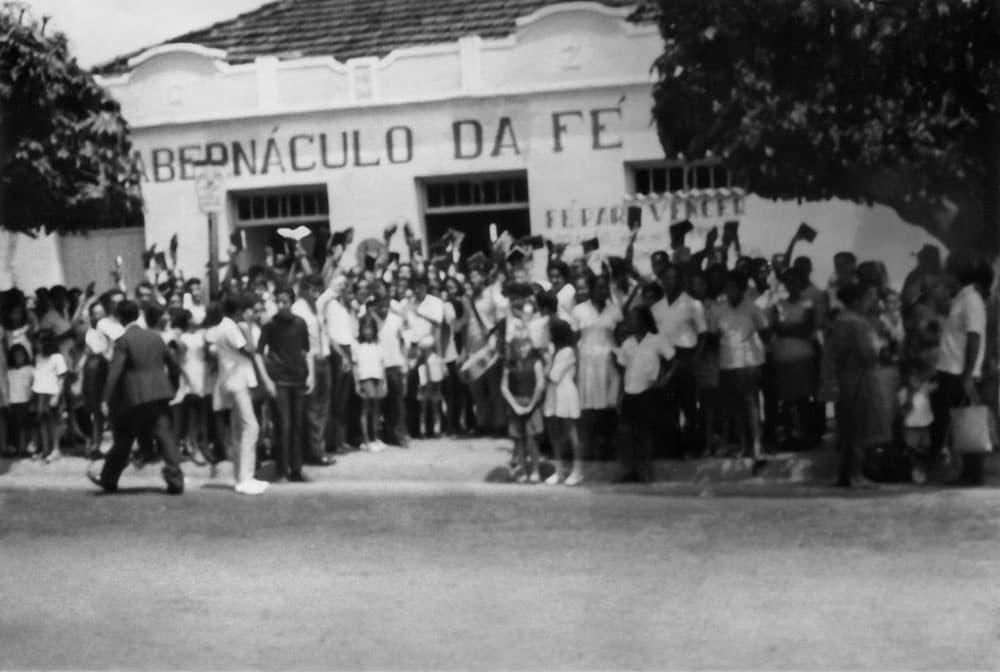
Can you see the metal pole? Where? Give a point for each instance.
(213, 256)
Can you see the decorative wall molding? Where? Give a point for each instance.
(469, 75)
(177, 48)
(572, 7)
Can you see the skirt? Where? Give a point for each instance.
(865, 407)
(372, 388)
(95, 374)
(795, 381)
(598, 381)
(738, 383)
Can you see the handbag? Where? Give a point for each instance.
(970, 430)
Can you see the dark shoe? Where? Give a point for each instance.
(174, 479)
(96, 480)
(298, 478)
(758, 466)
(325, 461)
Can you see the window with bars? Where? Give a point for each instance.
(291, 207)
(487, 193)
(679, 177)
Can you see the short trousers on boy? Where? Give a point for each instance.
(429, 392)
(371, 388)
(19, 415)
(524, 426)
(640, 409)
(917, 438)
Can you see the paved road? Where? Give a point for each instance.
(422, 574)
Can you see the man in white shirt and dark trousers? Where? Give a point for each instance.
(963, 346)
(318, 401)
(681, 319)
(341, 330)
(390, 334)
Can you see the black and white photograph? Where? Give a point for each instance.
(499, 335)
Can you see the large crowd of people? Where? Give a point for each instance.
(313, 354)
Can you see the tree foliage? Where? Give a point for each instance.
(65, 159)
(891, 101)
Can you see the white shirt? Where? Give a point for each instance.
(48, 371)
(566, 300)
(641, 360)
(740, 345)
(235, 369)
(97, 342)
(450, 317)
(682, 321)
(194, 363)
(197, 310)
(19, 383)
(341, 325)
(920, 416)
(369, 361)
(967, 316)
(318, 345)
(112, 330)
(390, 337)
(422, 321)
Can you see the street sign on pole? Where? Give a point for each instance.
(211, 188)
(210, 185)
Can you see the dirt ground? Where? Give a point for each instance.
(356, 574)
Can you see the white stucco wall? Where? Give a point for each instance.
(570, 91)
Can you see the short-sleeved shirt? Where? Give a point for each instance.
(235, 369)
(740, 345)
(318, 345)
(341, 324)
(19, 384)
(967, 316)
(286, 341)
(97, 342)
(370, 361)
(390, 338)
(112, 330)
(47, 373)
(422, 322)
(683, 321)
(641, 360)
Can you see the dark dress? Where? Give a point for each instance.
(864, 415)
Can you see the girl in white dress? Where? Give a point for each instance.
(562, 404)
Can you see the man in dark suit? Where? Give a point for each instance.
(137, 393)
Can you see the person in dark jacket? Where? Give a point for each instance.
(136, 397)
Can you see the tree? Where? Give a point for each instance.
(65, 159)
(890, 101)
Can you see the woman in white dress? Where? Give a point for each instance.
(598, 378)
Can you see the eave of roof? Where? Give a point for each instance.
(348, 29)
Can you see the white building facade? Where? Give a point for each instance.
(546, 131)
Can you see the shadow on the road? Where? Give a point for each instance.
(779, 490)
(144, 490)
(5, 464)
(216, 486)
